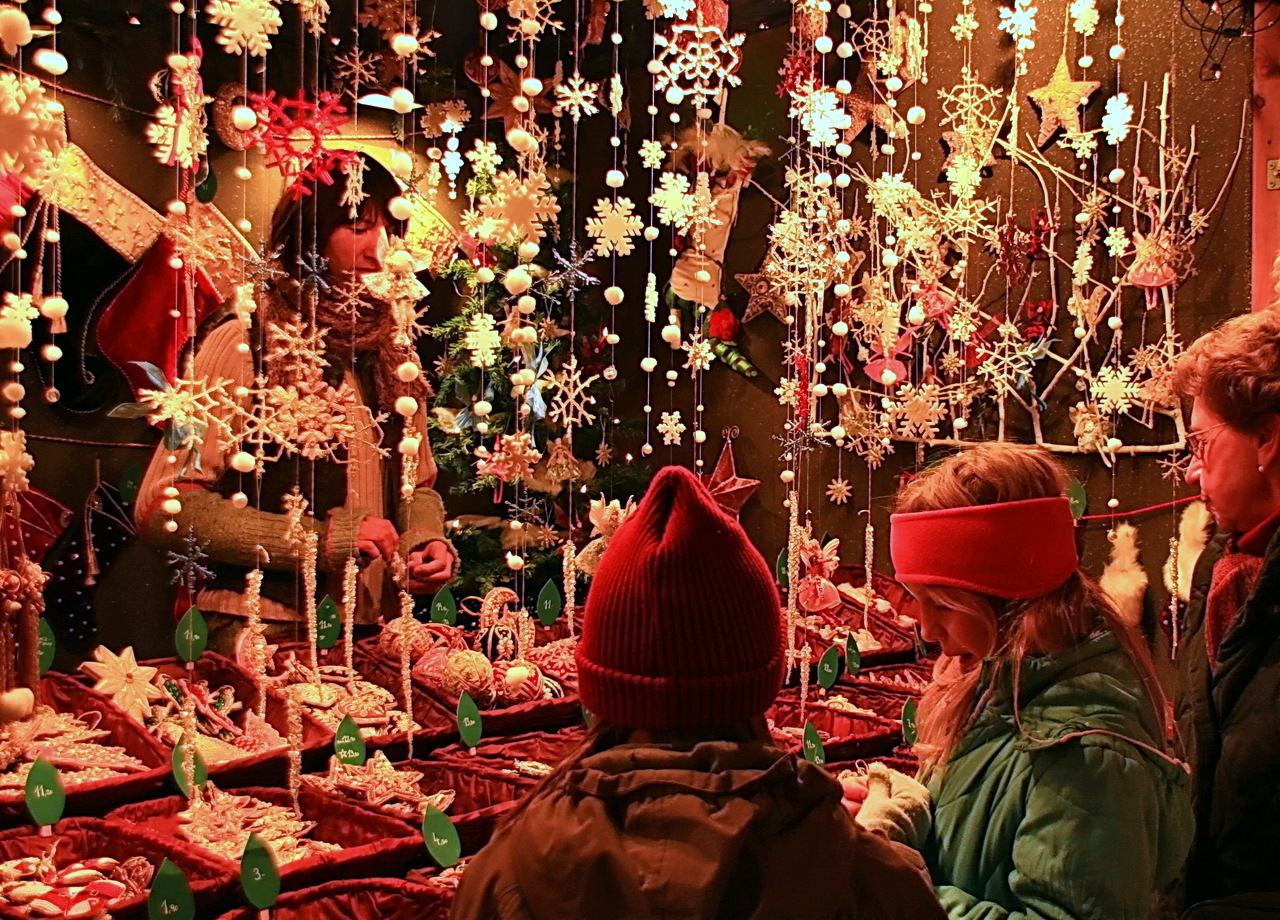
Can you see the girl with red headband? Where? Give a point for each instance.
(1042, 735)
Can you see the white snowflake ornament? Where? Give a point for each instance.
(246, 25)
(613, 226)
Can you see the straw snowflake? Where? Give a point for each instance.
(613, 226)
(839, 491)
(518, 206)
(671, 428)
(698, 60)
(787, 391)
(700, 354)
(578, 97)
(917, 410)
(821, 115)
(1115, 389)
(482, 340)
(653, 154)
(246, 25)
(513, 457)
(569, 406)
(355, 68)
(1007, 363)
(190, 408)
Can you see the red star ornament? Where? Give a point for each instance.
(730, 490)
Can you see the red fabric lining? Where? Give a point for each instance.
(545, 747)
(81, 838)
(849, 736)
(66, 694)
(372, 842)
(358, 899)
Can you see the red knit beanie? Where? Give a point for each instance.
(683, 629)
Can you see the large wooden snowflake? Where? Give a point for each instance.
(246, 25)
(513, 457)
(671, 428)
(577, 97)
(518, 207)
(916, 411)
(613, 226)
(482, 339)
(697, 60)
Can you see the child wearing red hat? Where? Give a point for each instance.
(678, 805)
(1042, 735)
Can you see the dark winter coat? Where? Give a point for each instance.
(722, 830)
(1229, 724)
(1064, 817)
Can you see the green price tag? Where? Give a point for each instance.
(444, 609)
(1079, 500)
(829, 667)
(780, 570)
(852, 656)
(45, 796)
(470, 725)
(588, 717)
(348, 743)
(328, 623)
(48, 645)
(259, 875)
(192, 635)
(179, 775)
(550, 603)
(129, 483)
(441, 837)
(171, 897)
(909, 722)
(813, 751)
(208, 186)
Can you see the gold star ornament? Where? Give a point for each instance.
(1059, 102)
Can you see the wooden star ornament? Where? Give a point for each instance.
(129, 684)
(764, 296)
(1059, 102)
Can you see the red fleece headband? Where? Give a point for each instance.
(1012, 550)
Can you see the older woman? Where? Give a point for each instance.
(1228, 706)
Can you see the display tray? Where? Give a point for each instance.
(484, 793)
(886, 621)
(357, 899)
(94, 797)
(845, 735)
(82, 838)
(900, 759)
(543, 747)
(886, 689)
(432, 712)
(372, 843)
(265, 768)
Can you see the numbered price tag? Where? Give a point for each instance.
(1079, 499)
(813, 750)
(48, 645)
(780, 570)
(328, 623)
(171, 897)
(829, 667)
(259, 874)
(45, 797)
(550, 603)
(470, 725)
(348, 744)
(909, 722)
(192, 635)
(199, 770)
(444, 608)
(441, 837)
(852, 656)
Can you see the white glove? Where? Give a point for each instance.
(896, 806)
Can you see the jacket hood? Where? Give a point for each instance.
(664, 826)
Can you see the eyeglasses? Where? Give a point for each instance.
(1198, 444)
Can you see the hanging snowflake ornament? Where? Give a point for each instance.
(1117, 241)
(448, 117)
(577, 97)
(178, 129)
(652, 154)
(246, 26)
(671, 197)
(839, 491)
(518, 207)
(314, 14)
(1115, 389)
(293, 134)
(1084, 16)
(532, 19)
(965, 26)
(482, 339)
(822, 117)
(15, 462)
(669, 9)
(569, 406)
(691, 211)
(700, 354)
(696, 62)
(484, 157)
(916, 411)
(671, 428)
(613, 226)
(355, 68)
(513, 457)
(1020, 23)
(1117, 122)
(32, 130)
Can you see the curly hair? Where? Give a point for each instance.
(1235, 369)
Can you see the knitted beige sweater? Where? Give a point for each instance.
(234, 535)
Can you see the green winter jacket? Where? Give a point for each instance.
(1044, 823)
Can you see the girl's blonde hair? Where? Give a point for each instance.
(1063, 618)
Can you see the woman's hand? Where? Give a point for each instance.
(378, 537)
(430, 568)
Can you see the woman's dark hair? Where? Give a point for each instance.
(303, 222)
